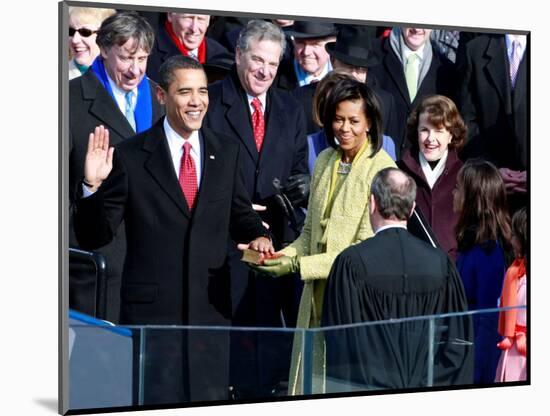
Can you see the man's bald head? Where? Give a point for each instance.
(394, 193)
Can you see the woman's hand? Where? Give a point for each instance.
(505, 344)
(521, 343)
(279, 267)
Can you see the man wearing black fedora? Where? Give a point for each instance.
(310, 61)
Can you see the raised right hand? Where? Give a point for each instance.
(99, 158)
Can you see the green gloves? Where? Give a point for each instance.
(279, 267)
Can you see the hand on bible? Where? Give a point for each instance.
(99, 158)
(260, 244)
(279, 267)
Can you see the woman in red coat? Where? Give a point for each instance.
(436, 131)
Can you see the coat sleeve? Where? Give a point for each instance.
(465, 95)
(454, 354)
(299, 163)
(245, 223)
(97, 217)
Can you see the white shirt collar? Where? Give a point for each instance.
(175, 145)
(174, 138)
(262, 98)
(385, 227)
(419, 52)
(522, 40)
(120, 95)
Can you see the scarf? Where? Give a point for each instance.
(143, 112)
(507, 319)
(398, 46)
(179, 44)
(81, 68)
(432, 175)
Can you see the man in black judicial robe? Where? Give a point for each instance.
(363, 286)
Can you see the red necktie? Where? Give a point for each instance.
(188, 176)
(258, 123)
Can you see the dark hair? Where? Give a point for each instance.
(519, 229)
(168, 67)
(122, 26)
(321, 94)
(484, 215)
(350, 89)
(442, 112)
(394, 192)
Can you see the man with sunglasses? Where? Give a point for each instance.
(115, 93)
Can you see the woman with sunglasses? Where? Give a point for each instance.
(83, 25)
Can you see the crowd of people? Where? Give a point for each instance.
(193, 137)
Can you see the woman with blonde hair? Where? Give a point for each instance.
(84, 23)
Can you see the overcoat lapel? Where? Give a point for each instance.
(497, 67)
(275, 123)
(159, 165)
(395, 69)
(238, 117)
(212, 168)
(104, 107)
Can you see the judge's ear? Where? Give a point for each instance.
(372, 205)
(412, 209)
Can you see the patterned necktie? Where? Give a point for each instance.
(411, 75)
(129, 111)
(188, 176)
(258, 123)
(515, 59)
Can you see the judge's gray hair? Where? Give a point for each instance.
(258, 30)
(394, 192)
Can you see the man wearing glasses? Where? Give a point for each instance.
(115, 93)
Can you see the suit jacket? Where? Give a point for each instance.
(89, 106)
(164, 48)
(284, 151)
(390, 76)
(174, 270)
(496, 115)
(365, 286)
(349, 223)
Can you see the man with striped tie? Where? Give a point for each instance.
(493, 102)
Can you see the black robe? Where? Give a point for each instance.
(395, 275)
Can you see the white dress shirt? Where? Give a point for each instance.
(175, 144)
(262, 99)
(120, 95)
(419, 53)
(521, 39)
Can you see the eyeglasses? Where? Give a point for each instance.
(85, 33)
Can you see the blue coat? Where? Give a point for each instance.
(482, 269)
